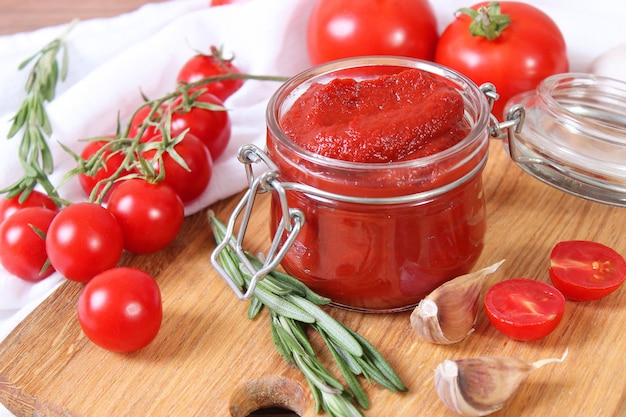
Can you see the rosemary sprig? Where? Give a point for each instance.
(293, 306)
(32, 119)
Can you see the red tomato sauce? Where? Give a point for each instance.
(379, 257)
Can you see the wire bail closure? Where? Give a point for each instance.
(290, 223)
(509, 127)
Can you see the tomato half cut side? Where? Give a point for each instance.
(584, 270)
(524, 309)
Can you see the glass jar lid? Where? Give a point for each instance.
(571, 134)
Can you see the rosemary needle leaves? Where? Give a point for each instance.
(293, 307)
(32, 118)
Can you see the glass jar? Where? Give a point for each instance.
(378, 237)
(571, 134)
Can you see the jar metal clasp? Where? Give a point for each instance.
(509, 128)
(290, 223)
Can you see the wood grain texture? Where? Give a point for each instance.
(208, 355)
(209, 359)
(26, 15)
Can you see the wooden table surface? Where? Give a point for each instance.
(208, 354)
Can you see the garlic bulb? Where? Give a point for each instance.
(611, 63)
(448, 314)
(480, 386)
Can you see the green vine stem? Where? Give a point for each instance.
(132, 147)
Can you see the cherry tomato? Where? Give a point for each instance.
(202, 66)
(83, 240)
(212, 127)
(530, 49)
(22, 250)
(584, 270)
(346, 28)
(112, 161)
(150, 215)
(138, 119)
(189, 183)
(120, 309)
(8, 206)
(524, 309)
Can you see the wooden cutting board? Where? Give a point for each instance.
(210, 360)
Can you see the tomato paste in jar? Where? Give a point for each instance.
(394, 149)
(386, 119)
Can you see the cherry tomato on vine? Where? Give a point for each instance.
(83, 240)
(346, 28)
(112, 161)
(584, 270)
(524, 309)
(138, 119)
(525, 52)
(35, 198)
(191, 181)
(121, 310)
(22, 249)
(211, 126)
(203, 66)
(150, 215)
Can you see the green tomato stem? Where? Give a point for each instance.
(487, 21)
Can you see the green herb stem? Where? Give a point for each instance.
(32, 119)
(292, 306)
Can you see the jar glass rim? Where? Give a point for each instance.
(566, 96)
(469, 90)
(573, 136)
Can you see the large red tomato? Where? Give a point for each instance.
(526, 51)
(346, 28)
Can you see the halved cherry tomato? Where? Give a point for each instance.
(524, 309)
(584, 270)
(8, 206)
(120, 309)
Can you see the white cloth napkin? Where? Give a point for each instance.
(113, 60)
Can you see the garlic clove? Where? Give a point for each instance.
(448, 314)
(480, 386)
